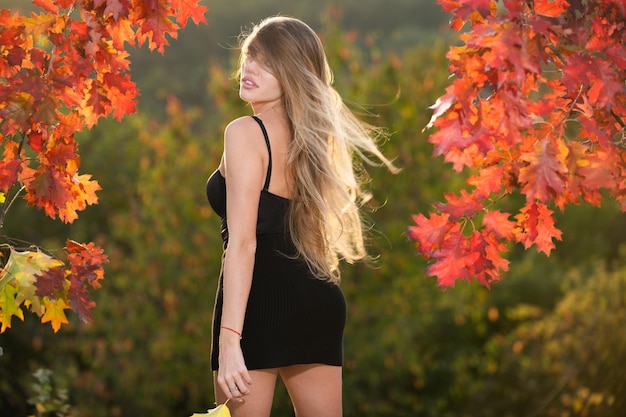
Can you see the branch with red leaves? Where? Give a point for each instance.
(537, 106)
(61, 70)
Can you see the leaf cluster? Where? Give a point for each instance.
(61, 70)
(536, 108)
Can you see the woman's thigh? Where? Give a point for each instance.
(315, 389)
(256, 404)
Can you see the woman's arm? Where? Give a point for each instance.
(242, 167)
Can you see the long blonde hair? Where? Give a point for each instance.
(324, 219)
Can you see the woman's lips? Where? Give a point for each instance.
(247, 82)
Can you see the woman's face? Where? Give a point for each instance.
(257, 84)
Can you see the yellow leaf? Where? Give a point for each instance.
(8, 306)
(55, 314)
(3, 197)
(219, 411)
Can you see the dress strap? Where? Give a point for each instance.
(269, 151)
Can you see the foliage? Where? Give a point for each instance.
(153, 322)
(47, 398)
(61, 70)
(410, 348)
(537, 107)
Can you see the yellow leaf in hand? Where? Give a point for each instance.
(219, 411)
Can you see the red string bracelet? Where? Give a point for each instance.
(232, 330)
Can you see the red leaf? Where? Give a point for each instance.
(543, 176)
(498, 222)
(48, 189)
(430, 233)
(116, 8)
(460, 206)
(50, 282)
(488, 181)
(535, 226)
(8, 173)
(62, 152)
(78, 296)
(86, 262)
(487, 266)
(453, 261)
(466, 9)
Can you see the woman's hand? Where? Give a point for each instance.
(232, 376)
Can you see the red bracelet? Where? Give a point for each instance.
(232, 330)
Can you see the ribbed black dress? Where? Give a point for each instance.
(291, 317)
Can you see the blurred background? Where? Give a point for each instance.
(548, 340)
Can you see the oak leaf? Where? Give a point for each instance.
(535, 226)
(9, 307)
(55, 313)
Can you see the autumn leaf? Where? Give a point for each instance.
(453, 260)
(50, 282)
(488, 181)
(17, 282)
(47, 5)
(9, 307)
(466, 9)
(189, 9)
(55, 313)
(156, 24)
(543, 177)
(463, 205)
(551, 8)
(24, 266)
(430, 233)
(87, 268)
(8, 173)
(219, 411)
(535, 226)
(498, 222)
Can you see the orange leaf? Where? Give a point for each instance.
(156, 24)
(552, 8)
(47, 5)
(186, 9)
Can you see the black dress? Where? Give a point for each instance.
(291, 317)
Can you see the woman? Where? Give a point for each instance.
(289, 199)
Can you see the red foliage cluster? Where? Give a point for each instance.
(537, 106)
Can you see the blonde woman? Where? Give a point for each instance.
(289, 197)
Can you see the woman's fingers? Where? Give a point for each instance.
(237, 385)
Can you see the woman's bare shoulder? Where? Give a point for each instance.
(244, 126)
